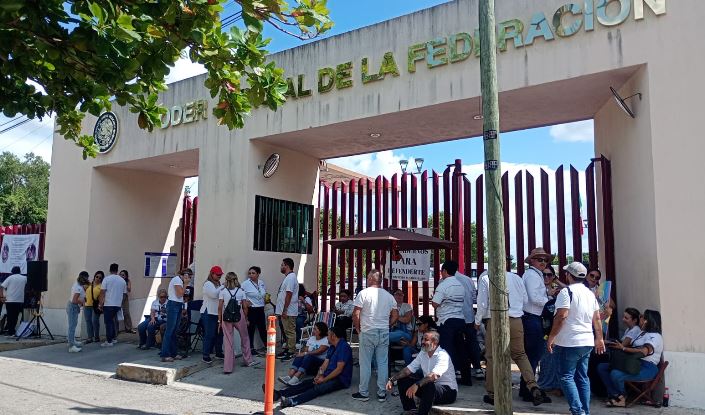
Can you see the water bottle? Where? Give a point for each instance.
(666, 396)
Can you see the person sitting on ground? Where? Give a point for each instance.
(411, 347)
(157, 317)
(344, 309)
(310, 358)
(633, 330)
(650, 344)
(403, 327)
(334, 374)
(438, 385)
(73, 308)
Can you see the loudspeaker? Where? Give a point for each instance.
(37, 279)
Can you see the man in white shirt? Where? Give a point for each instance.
(288, 307)
(577, 317)
(534, 345)
(438, 385)
(449, 302)
(375, 311)
(12, 294)
(111, 291)
(517, 299)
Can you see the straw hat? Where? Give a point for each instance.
(539, 253)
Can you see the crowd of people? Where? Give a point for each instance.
(556, 332)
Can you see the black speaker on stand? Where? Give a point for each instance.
(37, 283)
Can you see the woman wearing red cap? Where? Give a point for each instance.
(212, 337)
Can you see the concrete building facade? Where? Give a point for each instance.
(408, 81)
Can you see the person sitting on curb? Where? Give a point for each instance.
(309, 360)
(335, 373)
(438, 385)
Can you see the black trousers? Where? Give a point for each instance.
(344, 322)
(256, 319)
(13, 312)
(452, 333)
(472, 346)
(430, 394)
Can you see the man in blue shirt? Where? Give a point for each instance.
(335, 373)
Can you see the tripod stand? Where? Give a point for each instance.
(38, 321)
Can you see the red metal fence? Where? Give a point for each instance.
(402, 201)
(189, 219)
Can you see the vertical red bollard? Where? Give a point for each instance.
(269, 368)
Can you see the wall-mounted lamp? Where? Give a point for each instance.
(622, 102)
(405, 163)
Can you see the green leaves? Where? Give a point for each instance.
(86, 53)
(24, 189)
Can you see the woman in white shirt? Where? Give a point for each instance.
(232, 289)
(256, 291)
(212, 337)
(650, 344)
(174, 307)
(404, 326)
(309, 360)
(73, 308)
(631, 320)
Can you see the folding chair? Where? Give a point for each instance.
(645, 388)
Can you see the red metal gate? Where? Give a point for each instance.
(189, 218)
(365, 205)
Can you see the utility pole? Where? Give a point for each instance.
(495, 220)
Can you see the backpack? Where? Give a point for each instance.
(549, 311)
(231, 313)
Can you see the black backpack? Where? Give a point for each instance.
(231, 314)
(549, 311)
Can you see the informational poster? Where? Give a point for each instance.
(413, 265)
(16, 250)
(159, 264)
(602, 292)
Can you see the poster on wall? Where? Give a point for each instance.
(16, 250)
(159, 264)
(413, 265)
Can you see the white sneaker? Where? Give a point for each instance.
(284, 379)
(106, 344)
(294, 381)
(74, 349)
(78, 344)
(114, 341)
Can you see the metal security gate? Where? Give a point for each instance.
(456, 213)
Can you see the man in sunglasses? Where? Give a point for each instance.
(539, 260)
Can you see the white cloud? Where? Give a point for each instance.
(34, 136)
(576, 132)
(385, 163)
(184, 68)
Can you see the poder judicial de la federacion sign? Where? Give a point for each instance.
(563, 23)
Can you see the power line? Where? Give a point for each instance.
(15, 119)
(15, 125)
(21, 137)
(41, 142)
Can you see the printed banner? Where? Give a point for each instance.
(16, 250)
(159, 265)
(602, 292)
(413, 265)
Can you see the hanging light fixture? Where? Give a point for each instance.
(403, 164)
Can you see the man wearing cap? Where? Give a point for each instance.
(517, 298)
(538, 261)
(577, 315)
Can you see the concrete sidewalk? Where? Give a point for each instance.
(242, 388)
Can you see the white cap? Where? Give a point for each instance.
(576, 269)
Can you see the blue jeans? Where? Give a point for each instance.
(173, 316)
(212, 339)
(398, 334)
(148, 332)
(409, 353)
(300, 321)
(92, 323)
(614, 379)
(72, 311)
(307, 364)
(109, 315)
(572, 370)
(374, 343)
(306, 390)
(534, 345)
